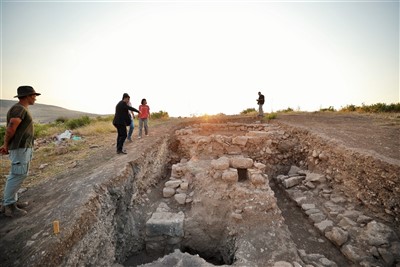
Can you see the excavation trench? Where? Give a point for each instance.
(205, 197)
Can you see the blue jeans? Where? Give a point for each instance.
(20, 159)
(146, 128)
(131, 127)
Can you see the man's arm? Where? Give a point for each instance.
(133, 109)
(10, 132)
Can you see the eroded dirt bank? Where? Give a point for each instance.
(104, 206)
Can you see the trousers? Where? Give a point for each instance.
(121, 136)
(20, 160)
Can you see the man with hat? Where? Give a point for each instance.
(121, 120)
(18, 143)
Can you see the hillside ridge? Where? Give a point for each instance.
(43, 113)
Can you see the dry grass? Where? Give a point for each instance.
(51, 158)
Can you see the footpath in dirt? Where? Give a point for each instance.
(24, 240)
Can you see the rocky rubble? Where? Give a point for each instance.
(364, 240)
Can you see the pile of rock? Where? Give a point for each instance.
(361, 239)
(227, 169)
(180, 187)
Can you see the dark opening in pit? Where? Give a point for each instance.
(217, 257)
(242, 174)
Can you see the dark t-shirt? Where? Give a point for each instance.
(261, 99)
(23, 137)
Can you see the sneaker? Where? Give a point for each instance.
(129, 140)
(121, 152)
(139, 137)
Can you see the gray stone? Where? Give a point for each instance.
(337, 235)
(377, 234)
(180, 198)
(363, 219)
(315, 177)
(387, 256)
(312, 211)
(326, 262)
(308, 206)
(282, 264)
(294, 170)
(184, 186)
(173, 183)
(168, 192)
(292, 181)
(165, 223)
(353, 253)
(322, 226)
(347, 223)
(317, 217)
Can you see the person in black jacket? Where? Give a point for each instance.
(121, 120)
(260, 102)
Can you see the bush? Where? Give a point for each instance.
(331, 108)
(2, 134)
(79, 122)
(248, 111)
(61, 120)
(105, 118)
(286, 110)
(159, 115)
(272, 116)
(374, 108)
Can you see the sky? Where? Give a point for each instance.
(193, 58)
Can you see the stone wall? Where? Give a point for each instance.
(112, 228)
(374, 180)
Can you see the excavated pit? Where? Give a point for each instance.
(232, 216)
(204, 196)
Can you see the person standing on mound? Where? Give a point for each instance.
(18, 143)
(144, 117)
(121, 120)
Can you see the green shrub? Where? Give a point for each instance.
(2, 134)
(374, 108)
(79, 122)
(105, 118)
(286, 110)
(331, 108)
(248, 111)
(60, 120)
(272, 116)
(41, 130)
(159, 115)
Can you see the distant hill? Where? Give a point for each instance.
(42, 113)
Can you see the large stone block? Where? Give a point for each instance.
(165, 223)
(220, 164)
(230, 176)
(242, 163)
(240, 140)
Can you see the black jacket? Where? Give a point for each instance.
(122, 114)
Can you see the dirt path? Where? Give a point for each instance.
(378, 135)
